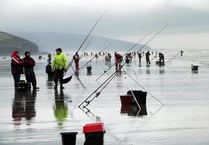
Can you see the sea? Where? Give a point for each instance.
(175, 111)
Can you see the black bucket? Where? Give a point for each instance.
(68, 138)
(94, 133)
(88, 70)
(23, 86)
(94, 138)
(140, 96)
(194, 68)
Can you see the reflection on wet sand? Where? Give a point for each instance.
(23, 107)
(134, 110)
(161, 70)
(50, 83)
(147, 70)
(134, 103)
(60, 107)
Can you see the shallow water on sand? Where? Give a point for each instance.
(39, 117)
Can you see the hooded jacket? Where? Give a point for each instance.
(59, 62)
(16, 64)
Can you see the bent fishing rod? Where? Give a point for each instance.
(132, 47)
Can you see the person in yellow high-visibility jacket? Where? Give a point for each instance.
(59, 66)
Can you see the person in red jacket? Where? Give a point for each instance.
(28, 64)
(76, 59)
(16, 67)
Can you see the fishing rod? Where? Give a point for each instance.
(122, 67)
(169, 61)
(70, 63)
(146, 90)
(135, 80)
(87, 37)
(153, 58)
(153, 37)
(70, 77)
(89, 99)
(88, 43)
(82, 84)
(141, 46)
(97, 91)
(132, 47)
(74, 72)
(89, 33)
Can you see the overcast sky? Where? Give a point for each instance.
(188, 21)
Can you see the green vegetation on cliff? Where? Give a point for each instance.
(9, 43)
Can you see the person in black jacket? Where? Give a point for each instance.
(48, 68)
(16, 67)
(28, 64)
(161, 59)
(147, 58)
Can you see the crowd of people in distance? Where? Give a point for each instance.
(58, 65)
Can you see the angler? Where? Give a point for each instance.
(59, 66)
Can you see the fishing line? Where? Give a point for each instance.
(132, 47)
(169, 61)
(88, 43)
(98, 62)
(97, 92)
(70, 63)
(84, 87)
(146, 90)
(107, 81)
(136, 45)
(132, 92)
(131, 128)
(96, 118)
(91, 59)
(134, 120)
(85, 107)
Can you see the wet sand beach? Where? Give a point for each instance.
(177, 104)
